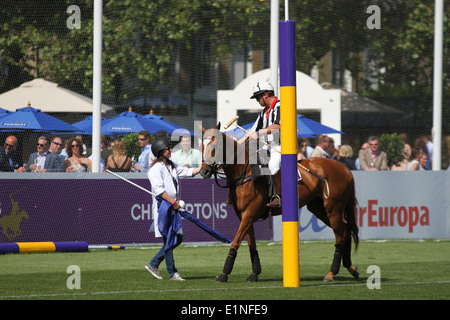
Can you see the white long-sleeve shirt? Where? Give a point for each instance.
(162, 180)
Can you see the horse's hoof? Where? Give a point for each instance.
(252, 278)
(354, 271)
(328, 278)
(222, 278)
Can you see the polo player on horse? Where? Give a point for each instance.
(268, 124)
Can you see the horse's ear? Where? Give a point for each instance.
(218, 126)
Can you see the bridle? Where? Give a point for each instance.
(215, 168)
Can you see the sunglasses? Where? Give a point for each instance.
(9, 145)
(57, 143)
(75, 146)
(41, 145)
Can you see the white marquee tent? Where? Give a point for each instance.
(47, 96)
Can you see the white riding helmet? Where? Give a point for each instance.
(261, 87)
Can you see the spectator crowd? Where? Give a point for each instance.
(369, 156)
(53, 155)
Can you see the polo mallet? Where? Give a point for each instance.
(180, 202)
(232, 122)
(185, 214)
(132, 183)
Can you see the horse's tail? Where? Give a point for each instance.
(352, 214)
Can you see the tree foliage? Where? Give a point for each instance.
(132, 148)
(404, 50)
(325, 25)
(142, 40)
(394, 147)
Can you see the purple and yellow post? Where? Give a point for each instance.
(288, 117)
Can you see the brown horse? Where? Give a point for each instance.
(326, 188)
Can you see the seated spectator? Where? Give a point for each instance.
(76, 162)
(364, 146)
(56, 146)
(332, 150)
(10, 160)
(119, 161)
(102, 162)
(414, 163)
(302, 145)
(345, 156)
(144, 143)
(187, 156)
(309, 149)
(84, 148)
(373, 159)
(423, 160)
(63, 153)
(43, 160)
(427, 148)
(106, 147)
(322, 146)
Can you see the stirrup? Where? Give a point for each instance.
(272, 200)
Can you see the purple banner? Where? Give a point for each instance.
(107, 211)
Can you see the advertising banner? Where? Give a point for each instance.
(107, 211)
(392, 205)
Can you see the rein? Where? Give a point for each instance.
(327, 195)
(237, 180)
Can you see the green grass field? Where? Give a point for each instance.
(408, 269)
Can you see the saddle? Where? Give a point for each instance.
(261, 173)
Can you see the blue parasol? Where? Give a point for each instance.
(29, 118)
(164, 122)
(86, 124)
(4, 112)
(307, 126)
(131, 122)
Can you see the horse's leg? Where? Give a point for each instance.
(316, 206)
(343, 245)
(228, 267)
(346, 258)
(338, 228)
(229, 261)
(254, 256)
(351, 230)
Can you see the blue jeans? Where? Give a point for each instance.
(168, 256)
